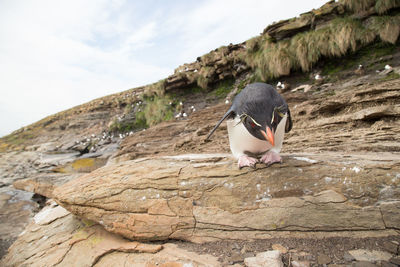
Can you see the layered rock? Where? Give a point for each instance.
(57, 238)
(205, 197)
(306, 21)
(217, 65)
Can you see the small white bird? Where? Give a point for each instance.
(318, 77)
(387, 67)
(227, 101)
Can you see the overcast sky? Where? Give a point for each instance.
(58, 54)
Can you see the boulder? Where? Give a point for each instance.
(56, 237)
(201, 197)
(270, 258)
(44, 183)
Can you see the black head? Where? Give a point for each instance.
(263, 124)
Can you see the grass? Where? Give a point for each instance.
(157, 109)
(382, 6)
(157, 89)
(358, 6)
(387, 27)
(340, 37)
(390, 76)
(370, 53)
(223, 88)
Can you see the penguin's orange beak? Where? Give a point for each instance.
(269, 136)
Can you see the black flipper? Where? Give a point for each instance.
(230, 112)
(289, 123)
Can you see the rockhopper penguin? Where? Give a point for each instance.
(257, 122)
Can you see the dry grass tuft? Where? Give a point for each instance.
(382, 6)
(273, 59)
(157, 89)
(358, 6)
(387, 27)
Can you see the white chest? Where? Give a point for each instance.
(241, 141)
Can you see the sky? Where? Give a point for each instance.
(57, 54)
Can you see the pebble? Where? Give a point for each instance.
(323, 259)
(388, 264)
(279, 247)
(270, 258)
(395, 260)
(363, 264)
(370, 256)
(390, 247)
(300, 263)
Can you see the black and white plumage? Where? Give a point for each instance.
(257, 122)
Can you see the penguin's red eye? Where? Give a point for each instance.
(252, 124)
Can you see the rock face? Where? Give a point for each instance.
(205, 197)
(287, 28)
(57, 238)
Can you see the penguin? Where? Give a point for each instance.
(257, 121)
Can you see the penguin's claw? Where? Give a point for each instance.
(246, 161)
(271, 158)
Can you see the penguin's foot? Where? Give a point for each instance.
(271, 158)
(246, 161)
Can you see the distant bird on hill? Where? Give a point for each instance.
(257, 122)
(360, 70)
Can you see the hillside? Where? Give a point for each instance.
(136, 165)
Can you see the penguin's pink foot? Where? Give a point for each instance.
(246, 161)
(271, 158)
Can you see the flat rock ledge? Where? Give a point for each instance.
(205, 197)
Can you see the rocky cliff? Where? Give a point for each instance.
(135, 166)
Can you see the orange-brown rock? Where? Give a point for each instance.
(57, 238)
(199, 197)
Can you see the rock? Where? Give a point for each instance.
(370, 256)
(49, 214)
(81, 165)
(323, 259)
(280, 248)
(348, 257)
(363, 264)
(191, 197)
(44, 183)
(300, 263)
(386, 71)
(304, 87)
(269, 258)
(390, 213)
(301, 256)
(235, 258)
(65, 240)
(391, 247)
(364, 114)
(388, 264)
(16, 209)
(287, 28)
(395, 260)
